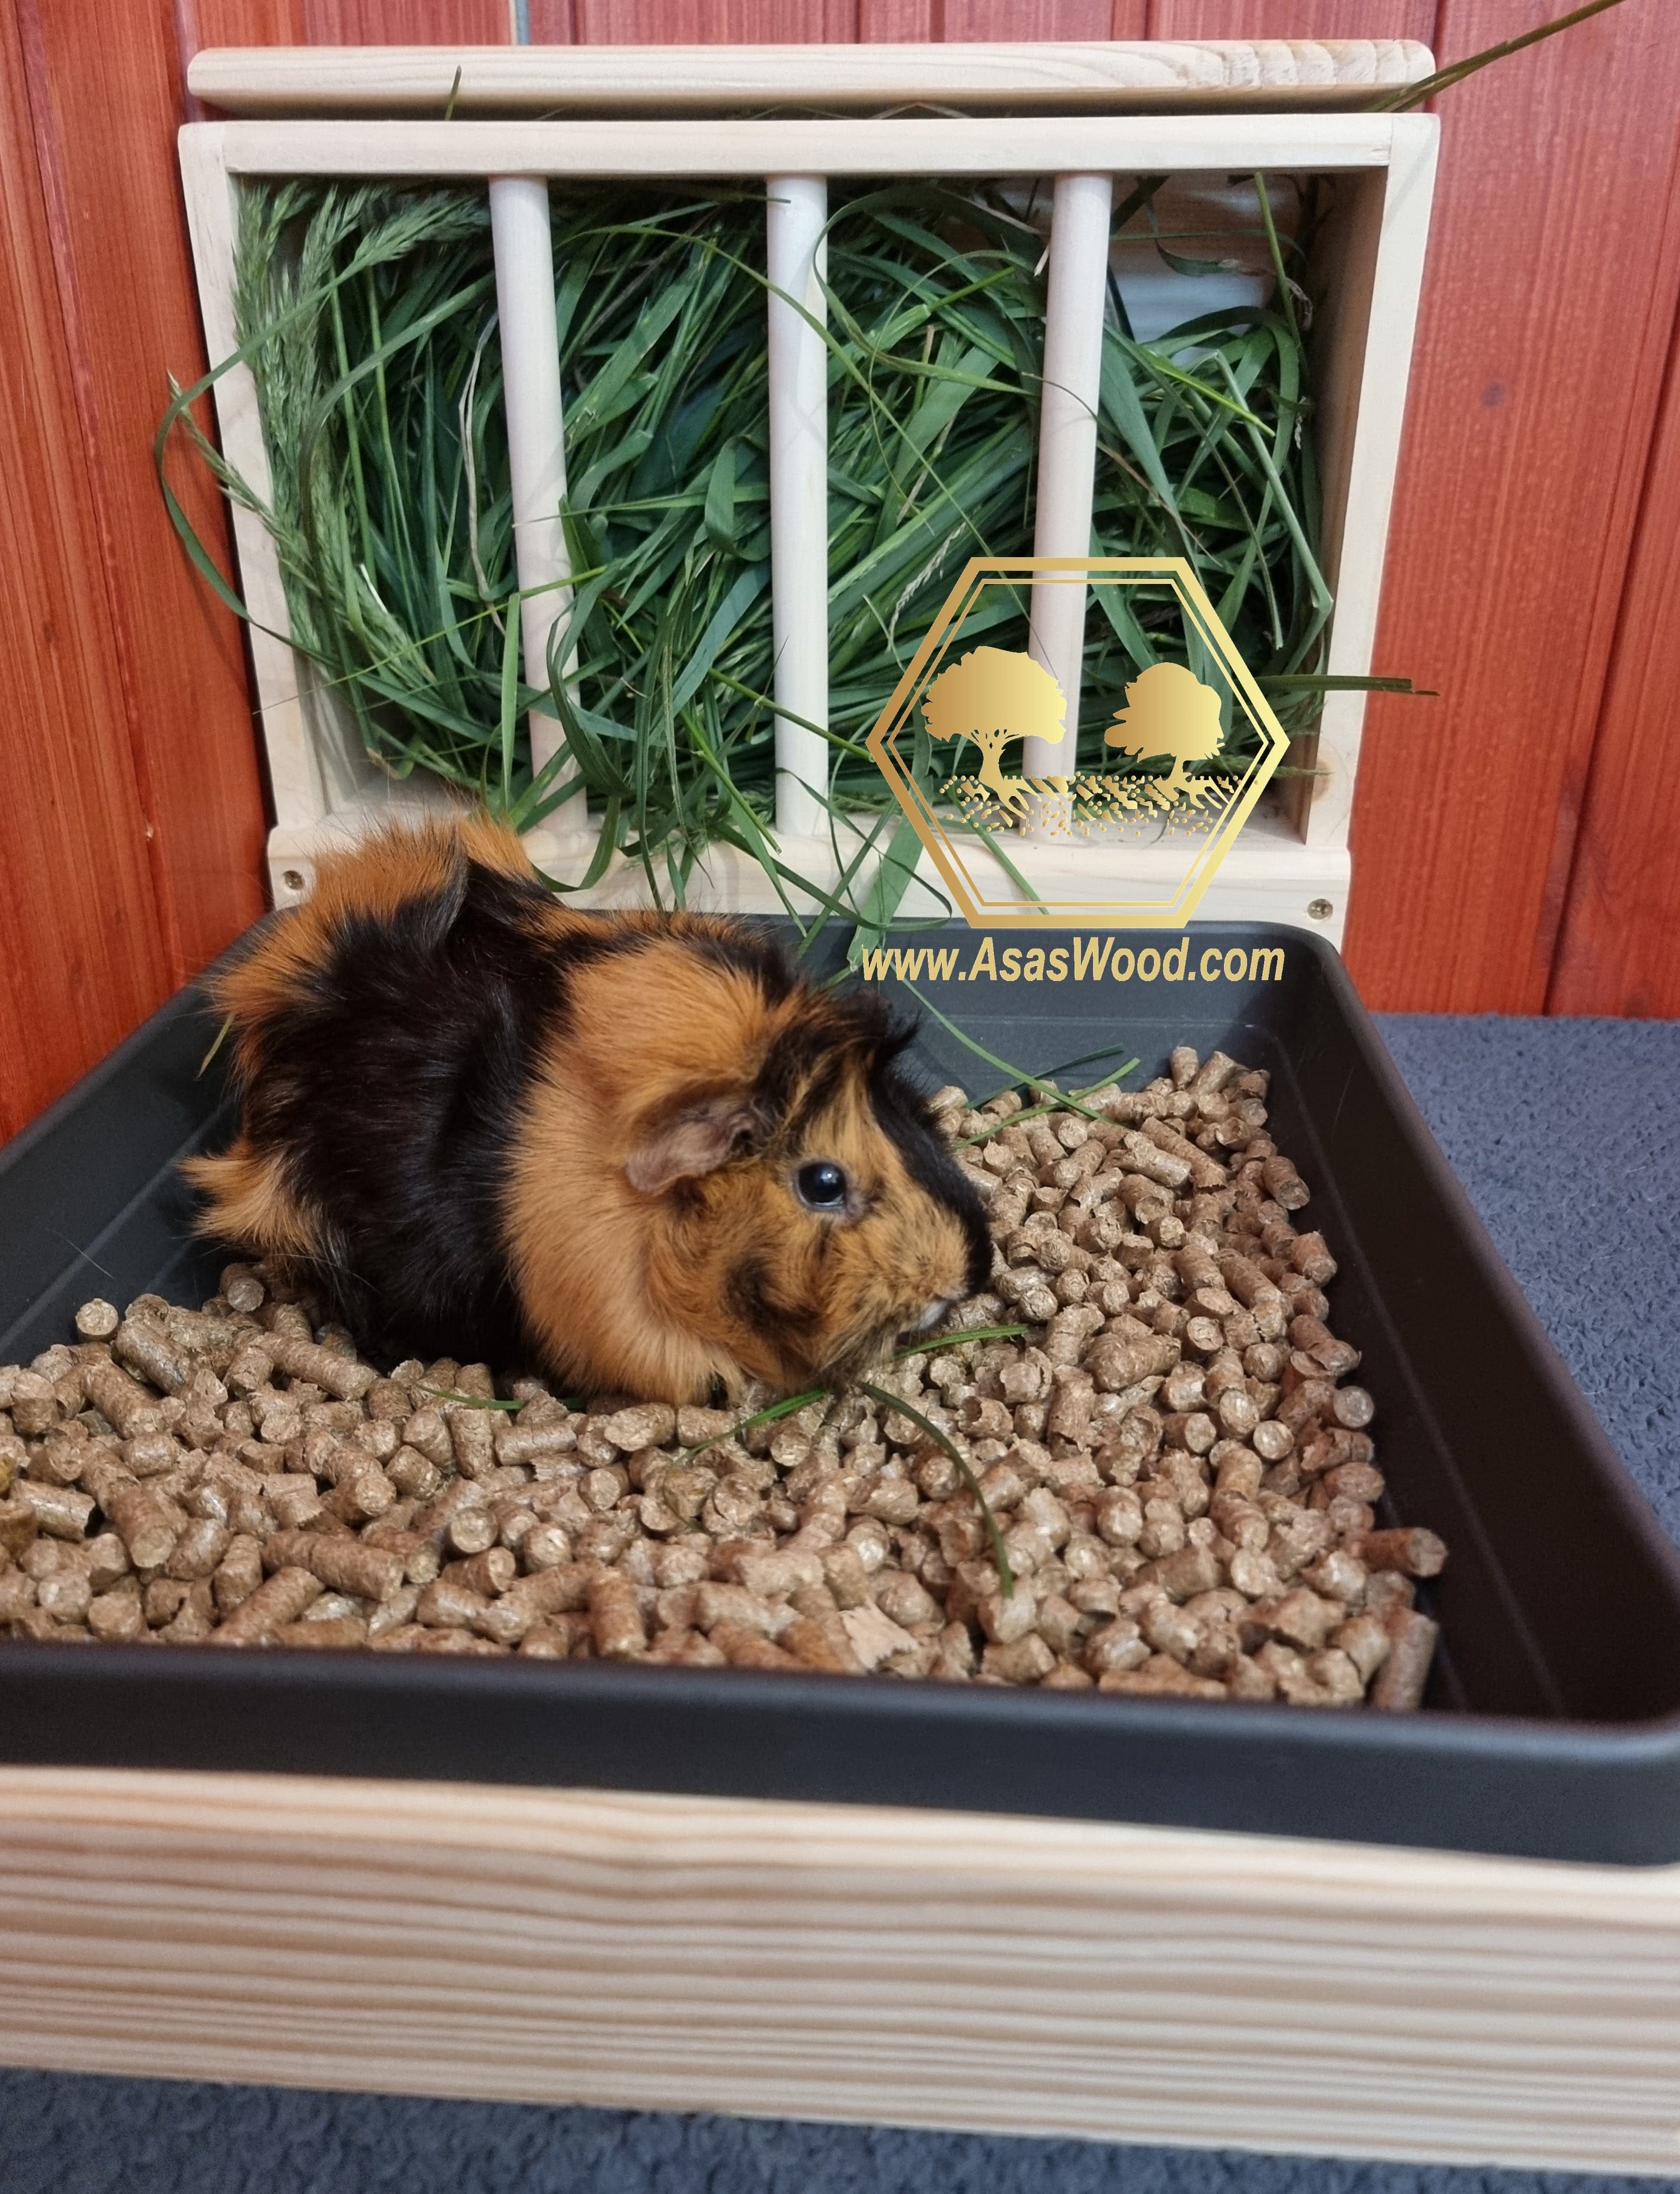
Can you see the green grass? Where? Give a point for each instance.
(367, 315)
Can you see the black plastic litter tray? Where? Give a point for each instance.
(1552, 1727)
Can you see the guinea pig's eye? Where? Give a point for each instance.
(821, 1185)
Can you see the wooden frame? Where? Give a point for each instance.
(1060, 75)
(846, 1962)
(1291, 857)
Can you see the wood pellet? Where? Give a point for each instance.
(1175, 1453)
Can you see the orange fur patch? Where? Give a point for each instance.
(249, 1203)
(582, 1237)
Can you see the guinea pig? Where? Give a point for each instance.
(634, 1150)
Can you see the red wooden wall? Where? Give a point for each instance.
(1514, 840)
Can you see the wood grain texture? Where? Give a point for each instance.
(552, 22)
(1619, 949)
(125, 287)
(203, 23)
(1553, 275)
(957, 20)
(405, 22)
(709, 22)
(81, 959)
(939, 144)
(1292, 19)
(1120, 77)
(850, 1962)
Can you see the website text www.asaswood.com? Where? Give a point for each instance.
(1087, 959)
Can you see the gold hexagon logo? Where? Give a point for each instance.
(1178, 743)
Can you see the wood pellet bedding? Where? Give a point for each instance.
(1175, 1460)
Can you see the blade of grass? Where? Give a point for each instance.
(467, 1401)
(1414, 94)
(366, 314)
(1021, 1078)
(1038, 1112)
(217, 1042)
(791, 1405)
(903, 1409)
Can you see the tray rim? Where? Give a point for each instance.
(1348, 1734)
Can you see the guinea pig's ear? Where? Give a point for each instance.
(697, 1140)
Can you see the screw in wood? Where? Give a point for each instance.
(1320, 910)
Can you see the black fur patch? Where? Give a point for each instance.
(751, 1299)
(805, 1067)
(906, 1120)
(393, 1084)
(750, 952)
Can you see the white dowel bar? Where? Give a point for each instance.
(531, 371)
(1067, 441)
(796, 210)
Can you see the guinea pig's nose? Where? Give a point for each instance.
(935, 1311)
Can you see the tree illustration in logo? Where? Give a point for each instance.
(1170, 715)
(1134, 829)
(991, 695)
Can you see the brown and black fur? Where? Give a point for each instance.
(497, 1129)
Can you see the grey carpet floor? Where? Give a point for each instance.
(1565, 1134)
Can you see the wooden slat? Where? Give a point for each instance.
(238, 23)
(854, 1962)
(862, 145)
(405, 22)
(81, 961)
(1617, 950)
(125, 286)
(884, 19)
(1111, 76)
(1552, 285)
(551, 23)
(706, 22)
(1292, 19)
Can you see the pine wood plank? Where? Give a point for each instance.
(858, 144)
(1118, 76)
(705, 22)
(82, 960)
(1616, 949)
(298, 764)
(1554, 273)
(253, 23)
(105, 112)
(847, 1963)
